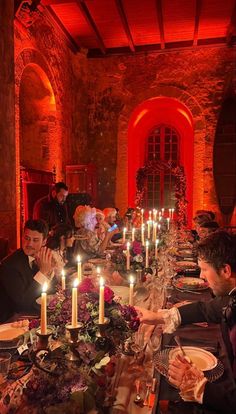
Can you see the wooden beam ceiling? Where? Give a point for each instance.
(85, 11)
(125, 24)
(160, 22)
(198, 8)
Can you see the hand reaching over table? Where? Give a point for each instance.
(149, 317)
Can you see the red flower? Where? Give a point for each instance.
(108, 294)
(86, 286)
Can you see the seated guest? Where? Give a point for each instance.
(23, 273)
(53, 208)
(217, 261)
(111, 220)
(85, 221)
(102, 226)
(61, 241)
(206, 228)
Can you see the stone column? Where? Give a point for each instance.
(7, 123)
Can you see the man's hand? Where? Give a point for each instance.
(148, 317)
(44, 260)
(177, 370)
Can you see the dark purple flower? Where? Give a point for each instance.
(34, 323)
(137, 247)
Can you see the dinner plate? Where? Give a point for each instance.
(186, 263)
(190, 283)
(97, 261)
(204, 360)
(9, 333)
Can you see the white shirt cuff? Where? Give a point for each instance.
(41, 278)
(172, 319)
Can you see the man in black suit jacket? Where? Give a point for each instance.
(217, 261)
(23, 273)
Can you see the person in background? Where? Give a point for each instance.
(61, 240)
(206, 228)
(102, 226)
(53, 208)
(111, 220)
(85, 222)
(217, 261)
(23, 273)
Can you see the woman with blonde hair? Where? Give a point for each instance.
(86, 221)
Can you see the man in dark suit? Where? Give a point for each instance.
(23, 273)
(53, 208)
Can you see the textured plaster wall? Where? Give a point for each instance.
(198, 78)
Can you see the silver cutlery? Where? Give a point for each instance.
(138, 399)
(177, 340)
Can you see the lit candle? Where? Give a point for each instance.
(149, 228)
(74, 313)
(156, 246)
(79, 271)
(133, 234)
(159, 227)
(63, 280)
(150, 215)
(154, 215)
(168, 223)
(131, 291)
(154, 232)
(142, 211)
(147, 258)
(159, 215)
(124, 234)
(101, 302)
(142, 233)
(172, 211)
(43, 326)
(128, 256)
(162, 211)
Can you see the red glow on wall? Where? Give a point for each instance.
(150, 113)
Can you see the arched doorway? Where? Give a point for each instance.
(39, 138)
(168, 113)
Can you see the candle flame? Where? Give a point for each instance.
(98, 270)
(102, 281)
(131, 279)
(124, 229)
(78, 258)
(147, 243)
(75, 283)
(157, 242)
(63, 272)
(128, 245)
(45, 287)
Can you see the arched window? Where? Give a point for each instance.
(162, 144)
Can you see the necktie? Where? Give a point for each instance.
(34, 267)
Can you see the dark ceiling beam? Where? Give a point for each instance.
(169, 47)
(160, 22)
(85, 11)
(55, 2)
(231, 30)
(125, 24)
(198, 8)
(68, 38)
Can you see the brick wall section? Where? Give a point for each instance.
(198, 78)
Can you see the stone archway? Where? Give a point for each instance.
(199, 130)
(44, 116)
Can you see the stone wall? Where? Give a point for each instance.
(198, 78)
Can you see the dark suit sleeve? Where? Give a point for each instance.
(210, 311)
(20, 287)
(221, 398)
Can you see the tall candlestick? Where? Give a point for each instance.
(162, 212)
(149, 228)
(150, 215)
(133, 234)
(156, 246)
(142, 233)
(147, 258)
(128, 256)
(74, 313)
(154, 215)
(101, 302)
(172, 213)
(79, 269)
(131, 291)
(63, 280)
(168, 223)
(43, 325)
(154, 232)
(124, 234)
(142, 211)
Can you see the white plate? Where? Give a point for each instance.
(203, 359)
(9, 333)
(97, 261)
(122, 291)
(186, 263)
